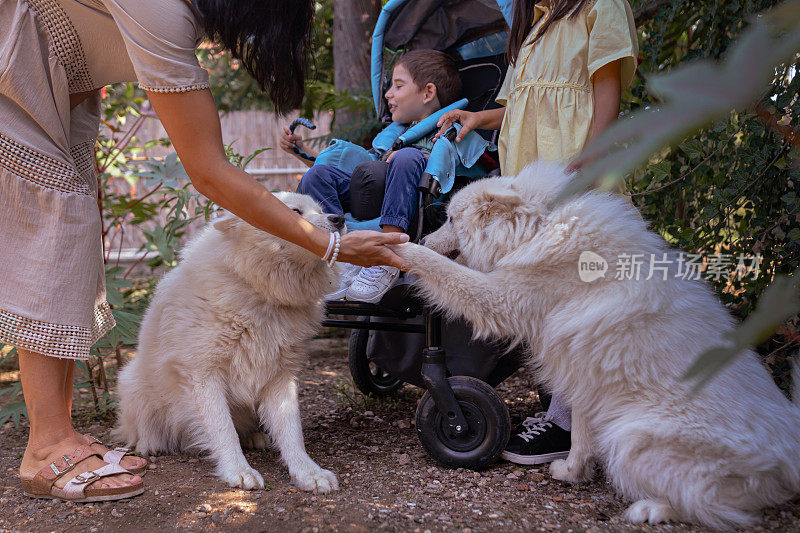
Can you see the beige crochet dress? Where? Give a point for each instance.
(52, 281)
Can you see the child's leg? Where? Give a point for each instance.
(329, 186)
(560, 413)
(401, 199)
(542, 438)
(367, 187)
(399, 206)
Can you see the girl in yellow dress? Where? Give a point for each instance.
(569, 61)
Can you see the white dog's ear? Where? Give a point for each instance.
(498, 202)
(226, 224)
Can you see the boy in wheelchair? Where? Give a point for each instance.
(423, 81)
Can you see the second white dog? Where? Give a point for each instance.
(615, 347)
(220, 349)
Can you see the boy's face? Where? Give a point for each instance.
(407, 101)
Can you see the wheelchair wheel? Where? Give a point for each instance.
(489, 426)
(369, 377)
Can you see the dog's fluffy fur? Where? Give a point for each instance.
(616, 349)
(221, 346)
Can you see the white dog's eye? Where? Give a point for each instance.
(297, 211)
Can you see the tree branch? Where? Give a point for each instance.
(773, 122)
(649, 11)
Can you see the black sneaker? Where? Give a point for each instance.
(537, 440)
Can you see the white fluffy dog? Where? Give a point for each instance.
(616, 348)
(221, 346)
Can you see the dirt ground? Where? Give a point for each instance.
(387, 481)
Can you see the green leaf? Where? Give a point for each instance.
(11, 353)
(161, 240)
(114, 297)
(13, 411)
(693, 149)
(660, 171)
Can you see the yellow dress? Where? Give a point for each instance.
(548, 93)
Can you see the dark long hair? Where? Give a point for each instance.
(523, 19)
(271, 38)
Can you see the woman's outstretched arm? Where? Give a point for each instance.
(192, 123)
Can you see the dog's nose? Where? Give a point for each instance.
(422, 241)
(336, 220)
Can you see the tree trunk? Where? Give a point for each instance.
(353, 22)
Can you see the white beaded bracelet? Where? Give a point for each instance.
(335, 254)
(331, 242)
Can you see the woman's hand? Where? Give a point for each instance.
(368, 248)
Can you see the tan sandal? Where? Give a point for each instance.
(115, 456)
(78, 489)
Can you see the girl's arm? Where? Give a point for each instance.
(192, 123)
(491, 119)
(607, 89)
(607, 93)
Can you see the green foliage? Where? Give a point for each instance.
(12, 407)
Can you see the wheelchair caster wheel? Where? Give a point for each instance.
(369, 377)
(489, 426)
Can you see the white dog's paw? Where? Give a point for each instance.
(560, 470)
(255, 441)
(316, 479)
(652, 511)
(402, 249)
(246, 478)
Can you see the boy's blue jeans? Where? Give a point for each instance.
(331, 188)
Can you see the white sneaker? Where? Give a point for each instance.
(349, 272)
(372, 283)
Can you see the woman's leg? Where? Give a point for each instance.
(329, 186)
(69, 385)
(44, 384)
(129, 462)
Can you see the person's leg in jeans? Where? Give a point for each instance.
(400, 203)
(543, 437)
(367, 188)
(329, 186)
(402, 198)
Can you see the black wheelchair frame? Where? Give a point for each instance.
(461, 420)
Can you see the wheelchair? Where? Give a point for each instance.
(461, 421)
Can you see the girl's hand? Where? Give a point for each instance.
(468, 120)
(368, 248)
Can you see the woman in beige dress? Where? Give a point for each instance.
(55, 55)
